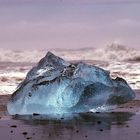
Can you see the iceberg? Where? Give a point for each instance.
(55, 86)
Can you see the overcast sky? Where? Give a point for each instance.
(28, 24)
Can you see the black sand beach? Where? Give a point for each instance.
(120, 124)
(60, 56)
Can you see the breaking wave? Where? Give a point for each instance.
(119, 60)
(111, 53)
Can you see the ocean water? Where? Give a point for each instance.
(119, 60)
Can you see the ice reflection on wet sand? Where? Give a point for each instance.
(107, 126)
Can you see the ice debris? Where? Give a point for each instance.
(57, 86)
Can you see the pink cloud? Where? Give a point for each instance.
(69, 1)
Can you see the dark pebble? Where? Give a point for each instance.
(86, 136)
(36, 114)
(28, 138)
(77, 131)
(97, 112)
(11, 131)
(101, 130)
(14, 126)
(62, 118)
(98, 122)
(24, 133)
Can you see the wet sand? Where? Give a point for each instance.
(120, 124)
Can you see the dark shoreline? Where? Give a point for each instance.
(120, 124)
